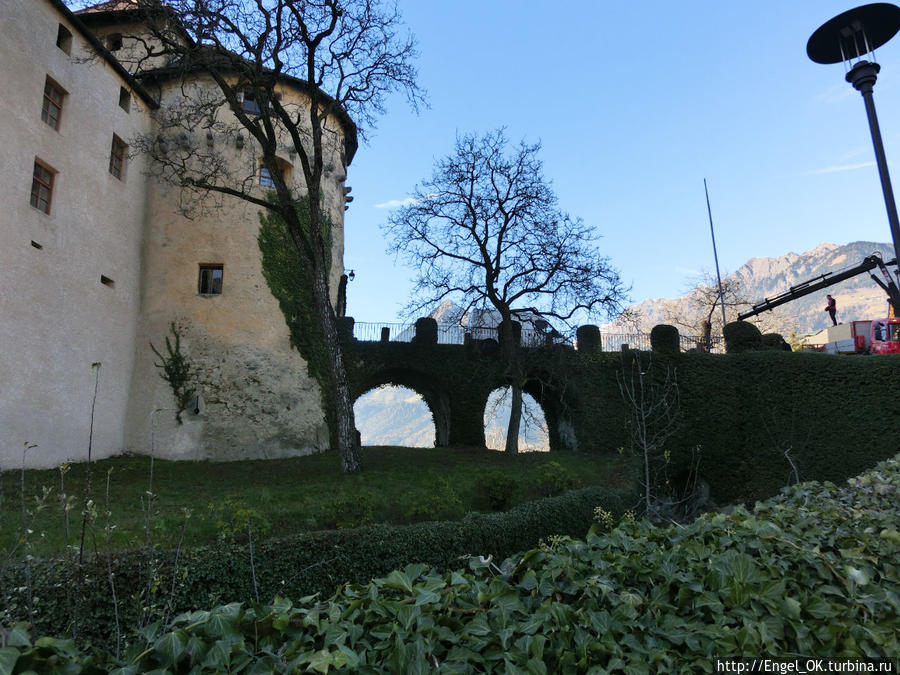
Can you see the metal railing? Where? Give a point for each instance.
(451, 334)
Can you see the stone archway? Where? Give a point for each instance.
(557, 409)
(533, 433)
(435, 397)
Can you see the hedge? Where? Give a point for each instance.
(150, 585)
(813, 572)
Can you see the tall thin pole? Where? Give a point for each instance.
(715, 253)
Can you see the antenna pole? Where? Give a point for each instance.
(715, 253)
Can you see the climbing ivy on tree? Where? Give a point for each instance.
(290, 283)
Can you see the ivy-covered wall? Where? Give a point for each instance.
(759, 419)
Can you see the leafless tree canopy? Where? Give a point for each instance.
(486, 230)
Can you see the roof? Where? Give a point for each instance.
(110, 6)
(113, 11)
(225, 61)
(101, 50)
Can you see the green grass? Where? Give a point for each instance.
(203, 501)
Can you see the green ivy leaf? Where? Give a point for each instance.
(170, 647)
(8, 658)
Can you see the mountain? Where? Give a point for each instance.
(394, 416)
(760, 278)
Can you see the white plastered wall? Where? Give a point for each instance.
(56, 317)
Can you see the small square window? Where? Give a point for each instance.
(250, 103)
(210, 280)
(51, 109)
(124, 99)
(114, 42)
(64, 39)
(42, 186)
(117, 157)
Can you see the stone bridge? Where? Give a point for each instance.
(455, 381)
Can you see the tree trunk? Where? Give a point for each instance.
(513, 371)
(515, 421)
(340, 391)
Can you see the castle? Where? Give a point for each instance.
(99, 259)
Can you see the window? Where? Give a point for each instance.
(210, 280)
(114, 42)
(265, 177)
(250, 103)
(51, 110)
(124, 99)
(42, 186)
(64, 39)
(117, 157)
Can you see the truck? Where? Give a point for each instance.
(876, 336)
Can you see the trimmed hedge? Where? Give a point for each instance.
(814, 572)
(742, 336)
(74, 600)
(664, 339)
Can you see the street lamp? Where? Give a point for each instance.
(852, 38)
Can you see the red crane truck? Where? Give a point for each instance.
(877, 336)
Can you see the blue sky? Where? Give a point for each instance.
(635, 104)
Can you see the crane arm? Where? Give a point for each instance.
(829, 279)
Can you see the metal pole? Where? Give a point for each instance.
(716, 255)
(862, 76)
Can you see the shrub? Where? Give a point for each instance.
(553, 479)
(588, 339)
(233, 518)
(775, 341)
(439, 501)
(426, 331)
(664, 339)
(741, 336)
(496, 490)
(350, 510)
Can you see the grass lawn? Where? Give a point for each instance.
(202, 501)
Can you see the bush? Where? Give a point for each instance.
(775, 341)
(426, 331)
(741, 336)
(153, 585)
(664, 339)
(588, 339)
(438, 501)
(553, 479)
(814, 571)
(496, 490)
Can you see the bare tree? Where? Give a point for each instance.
(486, 231)
(701, 310)
(651, 397)
(344, 56)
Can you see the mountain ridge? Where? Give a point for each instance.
(764, 277)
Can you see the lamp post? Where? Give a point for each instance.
(852, 38)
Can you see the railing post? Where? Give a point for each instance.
(385, 333)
